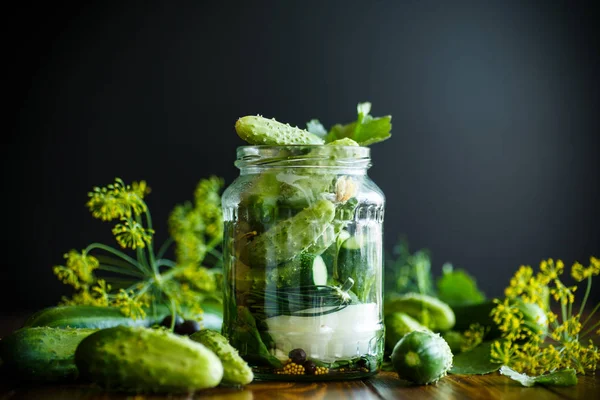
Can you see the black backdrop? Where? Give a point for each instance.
(493, 160)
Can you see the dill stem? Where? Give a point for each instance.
(587, 293)
(590, 330)
(111, 268)
(563, 310)
(163, 262)
(115, 262)
(143, 260)
(590, 316)
(115, 252)
(165, 246)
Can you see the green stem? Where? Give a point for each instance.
(115, 252)
(165, 246)
(143, 260)
(163, 262)
(587, 293)
(111, 268)
(115, 262)
(590, 330)
(563, 310)
(590, 315)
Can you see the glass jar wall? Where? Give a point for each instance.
(303, 262)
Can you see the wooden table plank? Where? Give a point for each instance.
(492, 386)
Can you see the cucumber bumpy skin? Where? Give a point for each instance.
(422, 357)
(258, 130)
(292, 236)
(235, 370)
(430, 311)
(42, 353)
(147, 360)
(91, 317)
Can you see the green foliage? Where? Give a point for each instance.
(563, 377)
(475, 362)
(366, 130)
(457, 287)
(105, 276)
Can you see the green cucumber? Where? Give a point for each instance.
(235, 370)
(290, 237)
(91, 317)
(258, 130)
(431, 312)
(42, 353)
(139, 359)
(352, 262)
(307, 269)
(422, 357)
(397, 325)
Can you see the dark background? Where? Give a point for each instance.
(493, 160)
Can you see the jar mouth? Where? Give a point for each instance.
(290, 156)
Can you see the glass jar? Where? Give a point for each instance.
(303, 262)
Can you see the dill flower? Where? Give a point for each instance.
(148, 278)
(522, 346)
(131, 234)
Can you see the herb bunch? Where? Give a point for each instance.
(568, 342)
(104, 275)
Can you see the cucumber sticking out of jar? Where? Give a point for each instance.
(289, 238)
(258, 130)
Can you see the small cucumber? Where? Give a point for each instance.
(235, 370)
(258, 130)
(431, 312)
(147, 360)
(397, 325)
(91, 317)
(422, 357)
(42, 353)
(292, 236)
(307, 269)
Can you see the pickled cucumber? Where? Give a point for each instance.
(352, 263)
(263, 131)
(290, 237)
(307, 269)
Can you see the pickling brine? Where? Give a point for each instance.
(303, 262)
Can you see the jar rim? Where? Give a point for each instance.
(289, 156)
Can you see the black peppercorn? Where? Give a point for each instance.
(297, 356)
(309, 367)
(166, 322)
(187, 327)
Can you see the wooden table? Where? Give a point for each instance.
(384, 385)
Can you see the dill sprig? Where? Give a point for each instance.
(568, 342)
(107, 276)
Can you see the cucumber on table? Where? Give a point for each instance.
(91, 317)
(42, 353)
(430, 311)
(422, 357)
(139, 359)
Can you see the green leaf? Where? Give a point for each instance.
(474, 362)
(365, 130)
(563, 377)
(316, 127)
(458, 288)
